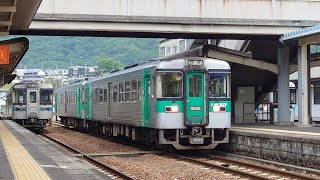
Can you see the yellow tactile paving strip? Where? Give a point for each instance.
(22, 164)
(277, 131)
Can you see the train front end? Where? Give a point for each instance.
(193, 103)
(32, 104)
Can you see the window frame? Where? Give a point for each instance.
(134, 92)
(127, 92)
(121, 92)
(157, 86)
(227, 84)
(115, 93)
(105, 94)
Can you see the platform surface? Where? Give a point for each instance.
(281, 131)
(25, 155)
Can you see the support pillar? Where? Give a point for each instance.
(303, 94)
(283, 86)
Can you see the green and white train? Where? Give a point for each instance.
(184, 103)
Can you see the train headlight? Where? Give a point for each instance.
(219, 109)
(216, 108)
(172, 109)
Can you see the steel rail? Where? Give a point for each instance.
(220, 167)
(264, 168)
(90, 159)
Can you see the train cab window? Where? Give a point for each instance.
(316, 94)
(128, 91)
(33, 97)
(218, 85)
(121, 91)
(169, 84)
(115, 93)
(105, 93)
(20, 96)
(46, 96)
(195, 83)
(139, 91)
(134, 91)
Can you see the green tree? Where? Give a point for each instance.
(109, 64)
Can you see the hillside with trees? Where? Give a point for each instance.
(61, 52)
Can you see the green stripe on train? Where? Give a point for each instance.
(226, 104)
(161, 105)
(88, 101)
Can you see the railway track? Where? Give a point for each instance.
(232, 166)
(243, 169)
(90, 159)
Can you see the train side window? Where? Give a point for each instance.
(100, 95)
(115, 93)
(134, 90)
(139, 90)
(316, 94)
(127, 93)
(105, 93)
(121, 91)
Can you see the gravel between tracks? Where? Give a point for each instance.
(84, 142)
(151, 166)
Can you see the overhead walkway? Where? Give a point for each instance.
(162, 18)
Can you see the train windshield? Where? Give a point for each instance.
(46, 96)
(20, 96)
(219, 84)
(169, 84)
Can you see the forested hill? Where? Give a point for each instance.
(49, 52)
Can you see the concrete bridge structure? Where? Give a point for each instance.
(245, 19)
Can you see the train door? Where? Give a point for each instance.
(32, 99)
(79, 101)
(195, 98)
(109, 100)
(146, 102)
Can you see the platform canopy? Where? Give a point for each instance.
(309, 35)
(17, 14)
(11, 53)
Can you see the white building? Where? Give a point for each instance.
(171, 46)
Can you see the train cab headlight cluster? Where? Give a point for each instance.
(172, 109)
(219, 109)
(195, 62)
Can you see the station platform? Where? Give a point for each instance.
(24, 155)
(287, 144)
